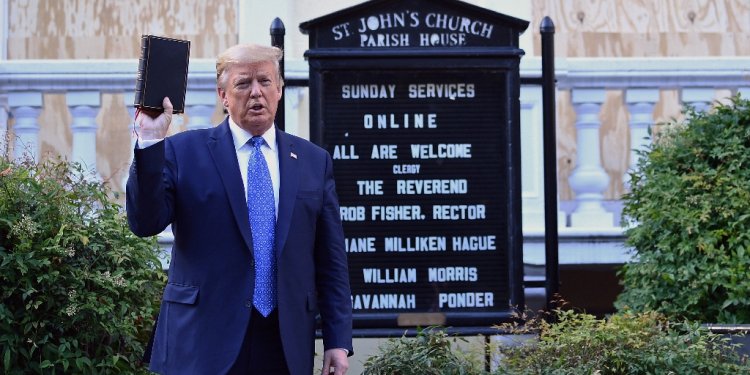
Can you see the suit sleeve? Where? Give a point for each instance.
(149, 191)
(332, 275)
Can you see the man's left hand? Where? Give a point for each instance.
(335, 362)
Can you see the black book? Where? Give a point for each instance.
(162, 71)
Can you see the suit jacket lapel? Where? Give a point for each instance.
(221, 147)
(289, 174)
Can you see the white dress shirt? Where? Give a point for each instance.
(242, 149)
(270, 152)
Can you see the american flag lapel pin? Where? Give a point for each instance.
(293, 155)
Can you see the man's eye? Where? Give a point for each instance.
(265, 82)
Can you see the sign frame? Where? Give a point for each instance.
(325, 60)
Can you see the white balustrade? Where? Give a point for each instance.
(700, 98)
(589, 180)
(84, 106)
(26, 107)
(292, 98)
(23, 83)
(3, 125)
(641, 103)
(532, 173)
(129, 99)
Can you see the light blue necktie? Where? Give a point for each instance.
(261, 209)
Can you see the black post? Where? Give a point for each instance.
(277, 40)
(552, 274)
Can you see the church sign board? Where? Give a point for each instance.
(417, 102)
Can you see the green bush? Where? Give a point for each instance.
(431, 352)
(575, 344)
(627, 343)
(688, 213)
(79, 290)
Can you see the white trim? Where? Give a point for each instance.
(518, 9)
(255, 18)
(576, 73)
(4, 29)
(96, 74)
(244, 23)
(614, 73)
(579, 246)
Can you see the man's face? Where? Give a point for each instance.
(251, 94)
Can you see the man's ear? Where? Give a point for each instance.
(222, 95)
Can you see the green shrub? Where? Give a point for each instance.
(79, 290)
(688, 213)
(644, 343)
(431, 352)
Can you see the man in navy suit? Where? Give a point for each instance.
(215, 317)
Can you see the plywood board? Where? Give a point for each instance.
(85, 29)
(638, 28)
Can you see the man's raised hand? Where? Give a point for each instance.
(154, 125)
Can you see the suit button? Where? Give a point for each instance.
(249, 303)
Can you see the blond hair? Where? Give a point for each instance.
(247, 54)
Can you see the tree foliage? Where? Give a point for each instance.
(689, 217)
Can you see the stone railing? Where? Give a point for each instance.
(586, 214)
(25, 83)
(590, 230)
(698, 82)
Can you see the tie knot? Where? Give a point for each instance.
(257, 142)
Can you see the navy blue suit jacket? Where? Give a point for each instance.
(192, 181)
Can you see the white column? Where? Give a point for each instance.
(532, 162)
(202, 105)
(640, 102)
(519, 9)
(84, 106)
(129, 99)
(292, 98)
(25, 107)
(700, 98)
(4, 140)
(254, 21)
(589, 180)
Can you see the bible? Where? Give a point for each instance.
(162, 71)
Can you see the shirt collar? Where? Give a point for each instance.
(241, 136)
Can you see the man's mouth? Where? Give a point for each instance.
(256, 107)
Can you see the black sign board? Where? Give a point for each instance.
(418, 104)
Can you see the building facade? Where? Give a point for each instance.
(67, 71)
